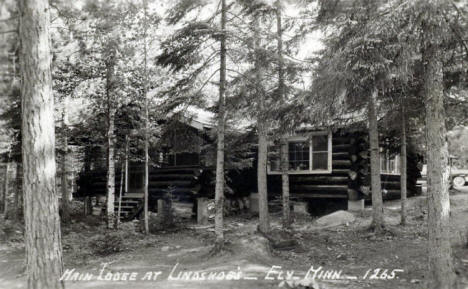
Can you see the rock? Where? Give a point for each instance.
(335, 219)
(165, 248)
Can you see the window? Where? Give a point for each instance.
(389, 164)
(306, 155)
(299, 155)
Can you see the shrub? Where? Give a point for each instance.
(107, 243)
(11, 231)
(76, 209)
(92, 221)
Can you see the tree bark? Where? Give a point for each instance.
(41, 211)
(126, 163)
(64, 177)
(284, 144)
(145, 92)
(219, 187)
(264, 220)
(440, 252)
(285, 184)
(117, 221)
(124, 171)
(377, 202)
(6, 187)
(18, 213)
(110, 141)
(403, 156)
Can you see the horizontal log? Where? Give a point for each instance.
(176, 170)
(156, 191)
(319, 180)
(340, 156)
(340, 172)
(341, 148)
(391, 194)
(391, 185)
(338, 140)
(319, 196)
(320, 188)
(390, 177)
(164, 184)
(163, 177)
(341, 164)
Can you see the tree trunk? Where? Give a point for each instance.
(145, 92)
(285, 184)
(123, 172)
(219, 187)
(41, 210)
(403, 174)
(6, 187)
(117, 221)
(284, 145)
(377, 202)
(126, 162)
(440, 252)
(64, 177)
(19, 191)
(264, 222)
(110, 142)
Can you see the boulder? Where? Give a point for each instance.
(336, 219)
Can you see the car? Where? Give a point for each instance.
(458, 177)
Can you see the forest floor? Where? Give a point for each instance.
(163, 256)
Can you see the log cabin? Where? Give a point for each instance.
(327, 164)
(323, 165)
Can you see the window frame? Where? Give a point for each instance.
(397, 163)
(308, 138)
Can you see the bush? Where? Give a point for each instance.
(11, 231)
(129, 227)
(92, 221)
(76, 209)
(107, 243)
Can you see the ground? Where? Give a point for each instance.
(348, 248)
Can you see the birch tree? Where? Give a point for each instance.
(145, 95)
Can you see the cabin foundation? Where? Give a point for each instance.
(254, 205)
(356, 206)
(202, 211)
(300, 207)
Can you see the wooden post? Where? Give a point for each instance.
(160, 206)
(301, 208)
(254, 203)
(202, 211)
(356, 205)
(88, 206)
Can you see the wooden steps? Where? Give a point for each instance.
(130, 205)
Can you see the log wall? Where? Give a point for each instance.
(350, 176)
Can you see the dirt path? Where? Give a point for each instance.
(349, 249)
